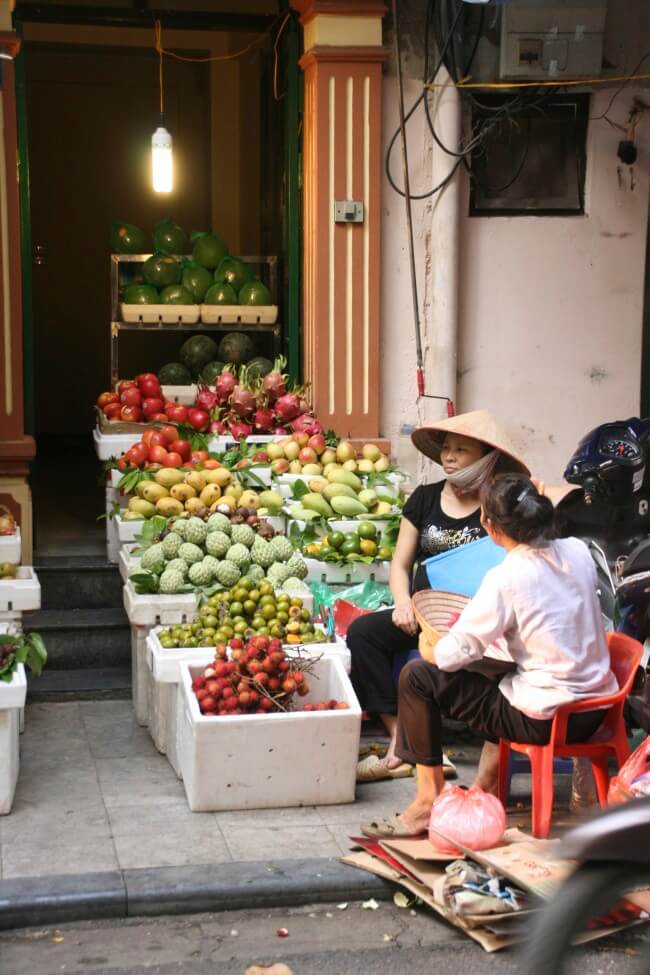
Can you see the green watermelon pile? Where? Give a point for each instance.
(202, 359)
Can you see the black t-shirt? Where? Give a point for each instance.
(438, 532)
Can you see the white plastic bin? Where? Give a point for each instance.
(12, 703)
(109, 445)
(320, 571)
(185, 395)
(21, 593)
(148, 610)
(127, 531)
(167, 314)
(271, 761)
(127, 562)
(239, 314)
(10, 547)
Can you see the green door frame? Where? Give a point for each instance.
(292, 194)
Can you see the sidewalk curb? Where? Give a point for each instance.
(45, 901)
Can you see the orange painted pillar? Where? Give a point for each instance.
(342, 64)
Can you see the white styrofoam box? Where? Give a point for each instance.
(351, 524)
(337, 648)
(262, 473)
(294, 758)
(147, 610)
(168, 314)
(12, 702)
(109, 445)
(10, 547)
(320, 571)
(181, 394)
(21, 593)
(127, 561)
(217, 445)
(140, 675)
(277, 522)
(127, 531)
(380, 571)
(239, 314)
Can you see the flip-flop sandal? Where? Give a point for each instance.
(370, 769)
(389, 828)
(449, 770)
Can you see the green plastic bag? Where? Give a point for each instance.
(366, 595)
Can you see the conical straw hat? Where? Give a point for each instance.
(436, 612)
(480, 425)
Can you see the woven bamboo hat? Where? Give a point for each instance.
(479, 425)
(436, 612)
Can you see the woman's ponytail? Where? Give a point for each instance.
(515, 507)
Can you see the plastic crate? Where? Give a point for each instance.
(22, 593)
(10, 547)
(167, 314)
(12, 703)
(109, 445)
(239, 314)
(271, 761)
(148, 610)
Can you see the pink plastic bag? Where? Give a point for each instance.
(633, 779)
(472, 817)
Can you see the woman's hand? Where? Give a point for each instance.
(404, 617)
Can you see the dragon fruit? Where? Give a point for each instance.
(206, 399)
(264, 419)
(218, 428)
(224, 385)
(287, 407)
(243, 401)
(305, 423)
(280, 432)
(274, 383)
(240, 430)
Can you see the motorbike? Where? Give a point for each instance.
(613, 853)
(609, 509)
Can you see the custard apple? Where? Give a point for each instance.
(179, 527)
(240, 555)
(153, 560)
(217, 543)
(196, 531)
(190, 553)
(211, 564)
(293, 583)
(261, 553)
(243, 535)
(219, 523)
(171, 544)
(228, 574)
(281, 548)
(255, 573)
(298, 566)
(177, 565)
(199, 574)
(171, 582)
(277, 574)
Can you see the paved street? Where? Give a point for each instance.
(323, 940)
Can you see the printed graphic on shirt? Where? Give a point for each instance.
(434, 539)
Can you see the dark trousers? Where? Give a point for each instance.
(426, 694)
(374, 641)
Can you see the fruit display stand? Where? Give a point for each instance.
(12, 703)
(127, 562)
(11, 547)
(271, 761)
(109, 445)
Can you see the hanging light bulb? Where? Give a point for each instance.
(162, 161)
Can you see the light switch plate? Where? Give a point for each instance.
(348, 211)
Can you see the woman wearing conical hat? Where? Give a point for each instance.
(471, 448)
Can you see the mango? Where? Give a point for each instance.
(348, 507)
(365, 467)
(169, 507)
(249, 499)
(295, 467)
(168, 477)
(368, 497)
(382, 508)
(153, 492)
(383, 464)
(234, 490)
(338, 491)
(131, 515)
(345, 477)
(220, 475)
(304, 514)
(350, 465)
(371, 452)
(196, 480)
(228, 499)
(210, 494)
(317, 484)
(194, 505)
(272, 500)
(183, 492)
(345, 451)
(311, 470)
(316, 502)
(332, 466)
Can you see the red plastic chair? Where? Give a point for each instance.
(610, 740)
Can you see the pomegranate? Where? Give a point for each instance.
(131, 396)
(157, 454)
(198, 419)
(113, 410)
(153, 437)
(287, 407)
(132, 414)
(182, 447)
(172, 459)
(149, 386)
(169, 432)
(150, 406)
(137, 454)
(107, 398)
(177, 413)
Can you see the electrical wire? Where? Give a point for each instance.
(597, 118)
(558, 83)
(282, 19)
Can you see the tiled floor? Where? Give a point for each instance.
(94, 795)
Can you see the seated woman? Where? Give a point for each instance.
(542, 601)
(471, 448)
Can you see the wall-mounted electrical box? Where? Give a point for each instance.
(547, 40)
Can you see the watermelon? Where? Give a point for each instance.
(220, 294)
(141, 294)
(196, 352)
(233, 271)
(175, 294)
(161, 271)
(209, 250)
(255, 293)
(196, 279)
(127, 239)
(169, 238)
(174, 374)
(236, 347)
(210, 371)
(258, 368)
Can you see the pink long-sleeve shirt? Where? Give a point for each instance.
(541, 604)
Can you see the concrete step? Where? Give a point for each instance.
(91, 684)
(79, 582)
(83, 638)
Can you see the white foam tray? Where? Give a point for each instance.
(322, 745)
(22, 593)
(167, 314)
(127, 562)
(239, 314)
(10, 547)
(12, 702)
(181, 394)
(151, 609)
(127, 531)
(109, 445)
